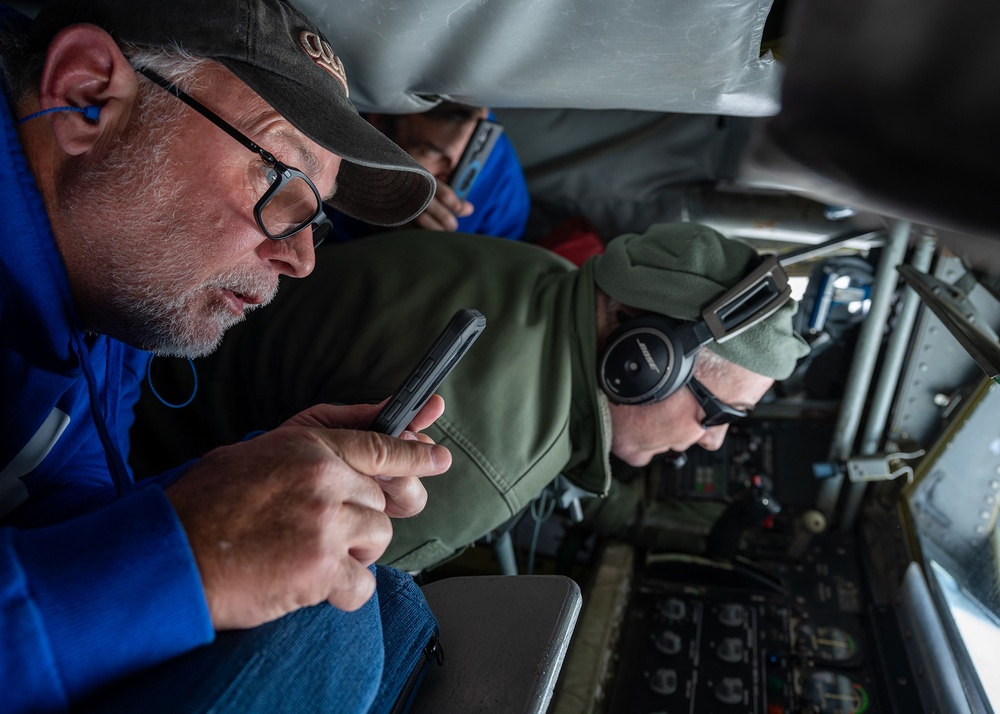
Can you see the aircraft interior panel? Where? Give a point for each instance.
(839, 554)
(822, 580)
(892, 607)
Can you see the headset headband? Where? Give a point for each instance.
(754, 299)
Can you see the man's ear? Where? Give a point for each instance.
(84, 67)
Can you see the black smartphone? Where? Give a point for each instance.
(473, 159)
(456, 339)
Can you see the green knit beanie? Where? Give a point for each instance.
(677, 269)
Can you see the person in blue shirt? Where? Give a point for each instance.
(143, 211)
(498, 204)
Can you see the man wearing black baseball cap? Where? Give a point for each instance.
(164, 164)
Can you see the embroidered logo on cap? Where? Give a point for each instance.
(322, 54)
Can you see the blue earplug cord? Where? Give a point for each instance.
(91, 112)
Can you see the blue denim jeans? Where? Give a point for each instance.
(316, 659)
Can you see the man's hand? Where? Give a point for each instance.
(444, 210)
(405, 495)
(296, 515)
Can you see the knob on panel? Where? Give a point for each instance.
(673, 608)
(730, 649)
(663, 681)
(729, 690)
(732, 614)
(668, 642)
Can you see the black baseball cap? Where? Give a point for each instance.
(280, 54)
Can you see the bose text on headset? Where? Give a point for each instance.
(649, 357)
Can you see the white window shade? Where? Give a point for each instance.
(692, 56)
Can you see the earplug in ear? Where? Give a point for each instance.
(91, 112)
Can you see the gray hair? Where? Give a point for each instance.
(21, 66)
(174, 64)
(711, 364)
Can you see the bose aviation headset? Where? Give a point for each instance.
(651, 356)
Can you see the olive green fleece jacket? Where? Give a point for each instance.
(522, 407)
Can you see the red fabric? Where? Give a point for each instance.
(575, 239)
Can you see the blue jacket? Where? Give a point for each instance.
(96, 576)
(500, 196)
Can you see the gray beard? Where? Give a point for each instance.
(169, 326)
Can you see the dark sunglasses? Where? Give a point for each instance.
(717, 412)
(290, 202)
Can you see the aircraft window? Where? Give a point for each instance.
(954, 504)
(977, 627)
(798, 284)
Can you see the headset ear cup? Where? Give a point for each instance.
(644, 360)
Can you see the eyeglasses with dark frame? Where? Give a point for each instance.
(717, 412)
(291, 201)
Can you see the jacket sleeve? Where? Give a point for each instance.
(95, 598)
(500, 196)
